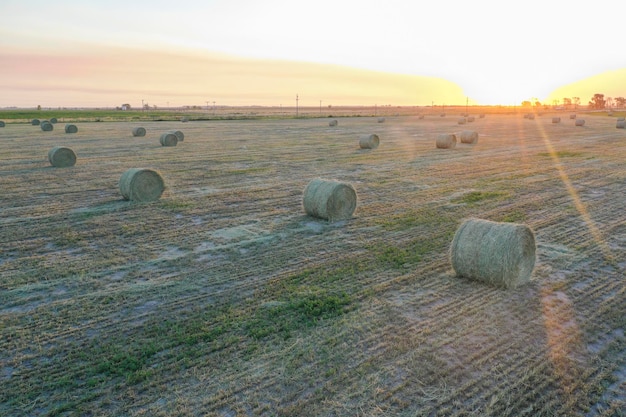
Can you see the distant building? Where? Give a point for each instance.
(125, 107)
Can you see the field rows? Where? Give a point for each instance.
(224, 298)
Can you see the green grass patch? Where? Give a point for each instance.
(515, 216)
(478, 196)
(561, 154)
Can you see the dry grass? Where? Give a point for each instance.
(223, 298)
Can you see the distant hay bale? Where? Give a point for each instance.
(369, 141)
(329, 200)
(35, 122)
(421, 116)
(470, 119)
(184, 119)
(501, 254)
(46, 126)
(69, 128)
(461, 121)
(2, 124)
(141, 185)
(54, 120)
(381, 120)
(621, 124)
(572, 116)
(180, 135)
(468, 136)
(61, 157)
(531, 116)
(481, 116)
(580, 122)
(526, 116)
(332, 123)
(139, 131)
(446, 141)
(442, 115)
(168, 139)
(556, 120)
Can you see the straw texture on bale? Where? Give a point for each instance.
(332, 123)
(69, 128)
(329, 200)
(35, 122)
(461, 121)
(556, 120)
(381, 120)
(501, 254)
(61, 157)
(620, 124)
(168, 139)
(46, 126)
(53, 120)
(141, 185)
(572, 116)
(139, 131)
(468, 136)
(446, 141)
(580, 122)
(2, 124)
(369, 141)
(179, 135)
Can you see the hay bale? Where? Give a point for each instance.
(69, 128)
(2, 124)
(369, 141)
(481, 116)
(621, 124)
(442, 115)
(470, 119)
(61, 157)
(381, 120)
(501, 254)
(332, 123)
(446, 141)
(35, 122)
(572, 116)
(180, 135)
(420, 117)
(46, 126)
(556, 120)
(139, 131)
(141, 185)
(329, 200)
(468, 136)
(54, 120)
(168, 139)
(184, 119)
(461, 121)
(531, 116)
(580, 122)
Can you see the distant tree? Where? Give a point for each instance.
(597, 101)
(620, 101)
(526, 103)
(38, 106)
(609, 102)
(576, 101)
(567, 102)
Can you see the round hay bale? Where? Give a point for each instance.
(54, 120)
(61, 157)
(470, 119)
(526, 116)
(35, 122)
(531, 116)
(446, 141)
(139, 131)
(46, 126)
(421, 116)
(481, 116)
(332, 123)
(180, 135)
(2, 124)
(381, 120)
(442, 115)
(580, 122)
(572, 116)
(468, 136)
(184, 119)
(168, 139)
(369, 141)
(141, 185)
(329, 200)
(501, 254)
(461, 121)
(69, 128)
(556, 120)
(621, 124)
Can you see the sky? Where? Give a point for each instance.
(335, 52)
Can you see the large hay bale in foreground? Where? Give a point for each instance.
(556, 120)
(35, 122)
(446, 140)
(468, 136)
(141, 185)
(620, 124)
(139, 131)
(2, 124)
(501, 254)
(69, 128)
(369, 141)
(330, 200)
(46, 126)
(580, 122)
(168, 139)
(179, 135)
(332, 123)
(61, 157)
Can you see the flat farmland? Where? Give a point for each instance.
(223, 298)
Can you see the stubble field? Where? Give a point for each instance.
(223, 298)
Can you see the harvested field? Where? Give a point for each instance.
(223, 298)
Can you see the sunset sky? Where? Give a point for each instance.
(353, 52)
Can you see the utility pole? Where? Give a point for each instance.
(141, 104)
(214, 107)
(320, 107)
(297, 105)
(207, 105)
